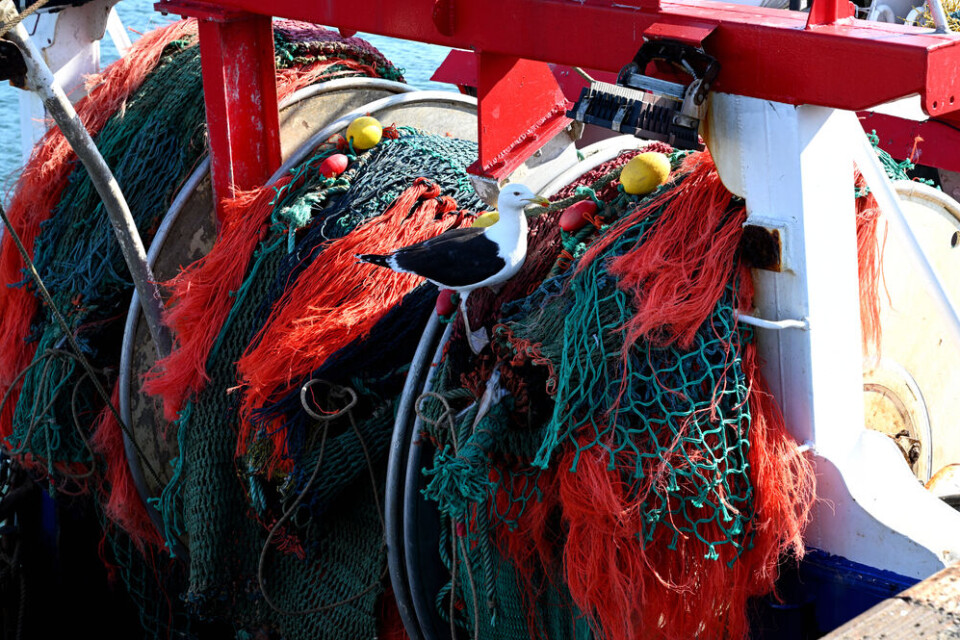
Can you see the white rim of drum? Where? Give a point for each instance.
(594, 156)
(890, 375)
(919, 193)
(371, 108)
(425, 615)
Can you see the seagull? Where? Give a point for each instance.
(468, 259)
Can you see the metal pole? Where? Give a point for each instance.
(41, 80)
(773, 325)
(396, 474)
(939, 16)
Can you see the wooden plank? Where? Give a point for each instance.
(928, 610)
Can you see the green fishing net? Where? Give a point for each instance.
(679, 415)
(323, 569)
(151, 145)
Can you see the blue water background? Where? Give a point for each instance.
(416, 59)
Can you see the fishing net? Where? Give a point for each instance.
(81, 263)
(147, 117)
(78, 257)
(612, 474)
(284, 522)
(39, 191)
(616, 460)
(952, 10)
(630, 476)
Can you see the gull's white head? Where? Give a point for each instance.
(514, 197)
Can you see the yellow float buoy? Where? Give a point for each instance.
(486, 219)
(645, 172)
(364, 132)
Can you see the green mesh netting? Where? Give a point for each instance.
(329, 552)
(490, 602)
(658, 408)
(679, 413)
(487, 596)
(80, 261)
(152, 581)
(673, 422)
(151, 145)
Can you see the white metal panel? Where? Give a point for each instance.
(794, 166)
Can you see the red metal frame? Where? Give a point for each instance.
(830, 13)
(240, 94)
(827, 58)
(509, 135)
(929, 142)
(460, 68)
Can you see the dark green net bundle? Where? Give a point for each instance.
(630, 475)
(151, 144)
(147, 117)
(282, 506)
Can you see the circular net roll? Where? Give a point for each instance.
(147, 117)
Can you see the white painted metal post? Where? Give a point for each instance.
(797, 177)
(118, 34)
(69, 40)
(794, 166)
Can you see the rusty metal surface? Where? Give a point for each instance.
(929, 610)
(762, 247)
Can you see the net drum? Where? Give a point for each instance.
(909, 384)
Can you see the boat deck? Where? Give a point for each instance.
(928, 610)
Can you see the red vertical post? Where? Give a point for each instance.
(830, 12)
(240, 93)
(520, 107)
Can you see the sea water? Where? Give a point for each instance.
(417, 60)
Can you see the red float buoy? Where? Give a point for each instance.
(334, 165)
(575, 217)
(445, 303)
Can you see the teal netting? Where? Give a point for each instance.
(151, 145)
(673, 422)
(80, 261)
(326, 554)
(487, 595)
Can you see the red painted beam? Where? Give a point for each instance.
(460, 68)
(830, 12)
(764, 53)
(520, 108)
(240, 93)
(929, 142)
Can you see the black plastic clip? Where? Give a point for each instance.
(649, 107)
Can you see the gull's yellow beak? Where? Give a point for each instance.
(543, 202)
(537, 200)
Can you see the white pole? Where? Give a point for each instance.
(42, 81)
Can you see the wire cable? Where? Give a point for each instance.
(68, 334)
(12, 22)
